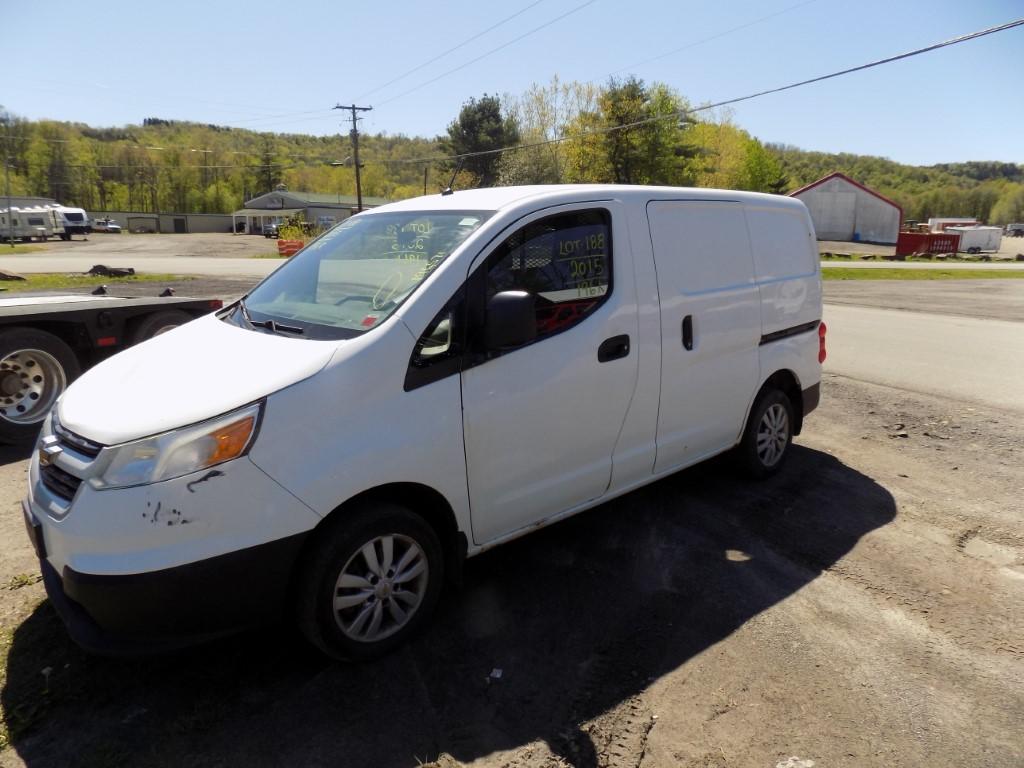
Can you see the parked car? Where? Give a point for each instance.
(108, 225)
(270, 230)
(1015, 230)
(424, 382)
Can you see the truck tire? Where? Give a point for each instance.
(159, 322)
(769, 433)
(35, 368)
(370, 582)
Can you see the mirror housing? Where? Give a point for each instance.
(511, 320)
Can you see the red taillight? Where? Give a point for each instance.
(215, 304)
(822, 354)
(106, 341)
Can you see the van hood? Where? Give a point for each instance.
(195, 372)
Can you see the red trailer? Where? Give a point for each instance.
(926, 242)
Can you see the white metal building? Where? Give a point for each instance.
(322, 210)
(842, 209)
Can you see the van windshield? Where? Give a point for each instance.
(353, 277)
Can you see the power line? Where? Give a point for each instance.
(680, 114)
(439, 56)
(488, 53)
(695, 43)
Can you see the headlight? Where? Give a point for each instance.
(180, 451)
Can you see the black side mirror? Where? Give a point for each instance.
(511, 320)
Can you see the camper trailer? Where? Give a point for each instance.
(74, 220)
(37, 223)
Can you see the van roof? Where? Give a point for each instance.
(499, 198)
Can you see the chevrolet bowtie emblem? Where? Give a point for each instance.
(49, 451)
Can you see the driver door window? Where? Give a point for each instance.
(563, 260)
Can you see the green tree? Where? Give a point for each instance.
(480, 127)
(543, 115)
(1010, 206)
(761, 171)
(637, 135)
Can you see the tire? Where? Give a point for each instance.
(35, 368)
(159, 322)
(769, 433)
(379, 611)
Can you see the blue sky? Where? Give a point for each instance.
(274, 66)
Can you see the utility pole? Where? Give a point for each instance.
(7, 179)
(206, 166)
(355, 149)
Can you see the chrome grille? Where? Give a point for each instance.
(59, 482)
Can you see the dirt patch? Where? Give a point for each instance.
(865, 608)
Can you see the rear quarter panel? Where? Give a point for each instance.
(788, 273)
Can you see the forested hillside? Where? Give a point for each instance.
(623, 132)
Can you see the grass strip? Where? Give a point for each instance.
(895, 273)
(6, 250)
(52, 281)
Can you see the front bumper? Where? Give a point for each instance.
(170, 608)
(167, 564)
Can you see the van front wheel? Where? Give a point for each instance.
(372, 580)
(768, 435)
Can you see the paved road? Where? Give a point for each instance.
(234, 266)
(225, 255)
(214, 255)
(205, 266)
(969, 359)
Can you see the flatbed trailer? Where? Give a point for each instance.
(47, 341)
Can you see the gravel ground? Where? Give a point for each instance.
(864, 608)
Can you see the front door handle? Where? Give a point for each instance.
(613, 348)
(688, 331)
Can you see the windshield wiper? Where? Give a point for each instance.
(275, 327)
(271, 325)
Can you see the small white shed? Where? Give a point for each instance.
(842, 209)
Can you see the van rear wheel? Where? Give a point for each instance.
(371, 581)
(768, 435)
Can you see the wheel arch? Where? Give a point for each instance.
(787, 382)
(421, 499)
(72, 333)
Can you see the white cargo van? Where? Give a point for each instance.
(425, 381)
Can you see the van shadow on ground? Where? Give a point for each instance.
(579, 617)
(12, 453)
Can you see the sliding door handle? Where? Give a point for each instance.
(688, 331)
(613, 348)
